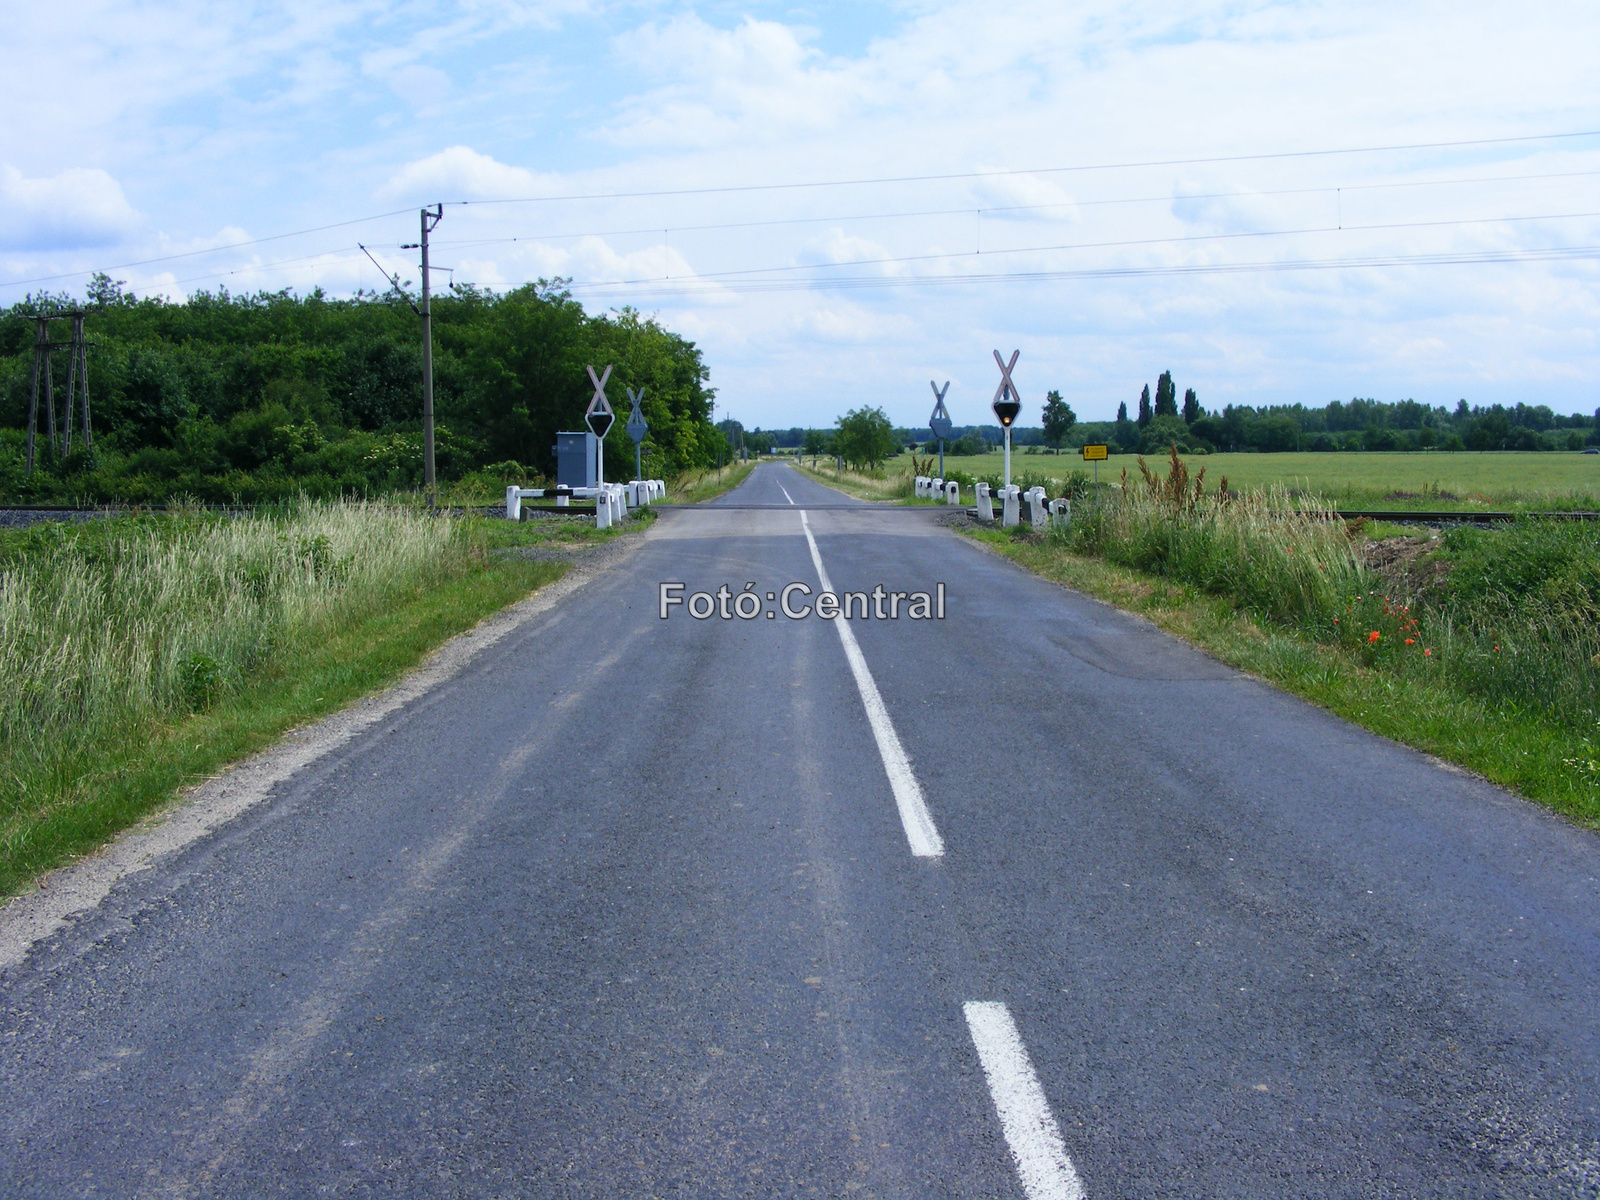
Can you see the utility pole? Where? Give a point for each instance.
(41, 360)
(77, 384)
(430, 218)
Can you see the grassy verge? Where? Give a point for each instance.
(553, 531)
(1542, 759)
(693, 487)
(207, 639)
(1481, 646)
(886, 483)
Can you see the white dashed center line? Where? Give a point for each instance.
(920, 829)
(1043, 1165)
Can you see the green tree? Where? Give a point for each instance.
(1058, 420)
(262, 397)
(1166, 430)
(1191, 407)
(815, 442)
(864, 437)
(1145, 415)
(1166, 396)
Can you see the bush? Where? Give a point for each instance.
(1516, 621)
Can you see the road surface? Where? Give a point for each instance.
(1031, 900)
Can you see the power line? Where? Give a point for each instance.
(1202, 237)
(849, 283)
(971, 210)
(328, 256)
(145, 262)
(734, 189)
(1123, 166)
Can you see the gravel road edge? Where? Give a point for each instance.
(68, 892)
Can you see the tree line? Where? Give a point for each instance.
(1359, 424)
(259, 397)
(1164, 419)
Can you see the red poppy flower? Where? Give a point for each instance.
(1373, 636)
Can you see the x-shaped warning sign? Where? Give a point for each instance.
(636, 425)
(1007, 399)
(599, 416)
(940, 422)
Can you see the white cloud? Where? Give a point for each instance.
(314, 111)
(757, 81)
(461, 173)
(850, 323)
(78, 208)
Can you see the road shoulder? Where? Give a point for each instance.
(66, 894)
(1455, 732)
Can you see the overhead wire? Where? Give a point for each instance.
(1203, 237)
(971, 209)
(736, 189)
(145, 262)
(718, 276)
(849, 283)
(1122, 166)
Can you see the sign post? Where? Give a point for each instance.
(1007, 402)
(940, 421)
(1095, 453)
(599, 418)
(636, 428)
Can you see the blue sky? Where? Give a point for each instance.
(141, 130)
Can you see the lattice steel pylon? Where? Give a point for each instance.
(77, 385)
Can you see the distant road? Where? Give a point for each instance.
(1032, 900)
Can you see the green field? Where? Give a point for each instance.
(1435, 480)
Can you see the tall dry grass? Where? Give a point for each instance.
(109, 629)
(889, 482)
(1512, 616)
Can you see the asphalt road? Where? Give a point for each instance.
(631, 908)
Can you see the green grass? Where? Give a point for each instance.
(554, 531)
(142, 655)
(890, 482)
(695, 487)
(1438, 480)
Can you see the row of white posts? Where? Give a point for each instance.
(611, 500)
(1042, 513)
(946, 489)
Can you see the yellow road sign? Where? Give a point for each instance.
(1094, 453)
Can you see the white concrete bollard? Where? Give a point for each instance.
(935, 487)
(920, 486)
(1010, 505)
(602, 509)
(1061, 512)
(633, 493)
(1038, 516)
(985, 509)
(513, 503)
(952, 492)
